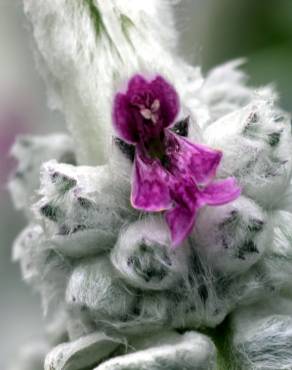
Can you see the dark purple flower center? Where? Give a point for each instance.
(151, 133)
(147, 105)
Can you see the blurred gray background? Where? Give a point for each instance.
(212, 31)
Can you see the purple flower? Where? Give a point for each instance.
(170, 174)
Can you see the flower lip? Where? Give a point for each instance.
(171, 173)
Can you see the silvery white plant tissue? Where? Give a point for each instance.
(159, 230)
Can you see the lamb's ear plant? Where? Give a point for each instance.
(159, 233)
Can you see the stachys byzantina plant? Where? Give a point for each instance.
(159, 236)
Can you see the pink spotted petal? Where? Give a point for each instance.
(220, 192)
(123, 121)
(180, 221)
(150, 190)
(198, 160)
(181, 218)
(168, 100)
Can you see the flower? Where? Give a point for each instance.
(170, 173)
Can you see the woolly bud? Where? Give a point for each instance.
(234, 236)
(83, 353)
(26, 249)
(31, 152)
(256, 142)
(277, 263)
(41, 266)
(263, 336)
(80, 208)
(94, 286)
(144, 258)
(224, 90)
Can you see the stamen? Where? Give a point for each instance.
(155, 105)
(146, 113)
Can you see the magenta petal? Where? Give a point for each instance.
(181, 218)
(169, 100)
(150, 189)
(198, 160)
(123, 121)
(137, 83)
(180, 221)
(220, 192)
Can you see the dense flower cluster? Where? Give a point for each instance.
(171, 173)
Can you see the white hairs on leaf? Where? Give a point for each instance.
(30, 152)
(42, 267)
(233, 237)
(224, 89)
(191, 351)
(81, 353)
(256, 142)
(263, 336)
(89, 48)
(143, 257)
(81, 207)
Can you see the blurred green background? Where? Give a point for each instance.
(211, 32)
(260, 30)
